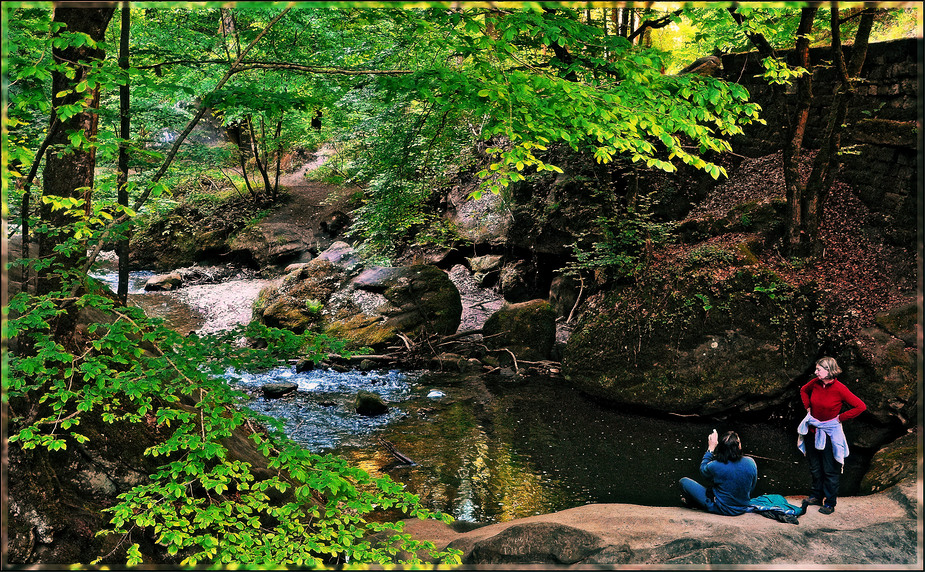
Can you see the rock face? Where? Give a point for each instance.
(884, 366)
(527, 329)
(695, 347)
(483, 221)
(875, 530)
(334, 294)
(894, 463)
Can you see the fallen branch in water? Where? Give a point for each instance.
(395, 453)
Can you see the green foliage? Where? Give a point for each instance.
(625, 240)
(314, 306)
(778, 72)
(389, 216)
(440, 232)
(610, 99)
(201, 503)
(774, 290)
(710, 255)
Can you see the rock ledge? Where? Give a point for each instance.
(878, 529)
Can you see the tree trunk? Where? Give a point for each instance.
(805, 203)
(124, 134)
(66, 175)
(279, 155)
(793, 133)
(826, 164)
(256, 152)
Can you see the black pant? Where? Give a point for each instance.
(826, 472)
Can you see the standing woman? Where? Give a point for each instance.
(823, 397)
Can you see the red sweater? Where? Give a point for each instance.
(825, 401)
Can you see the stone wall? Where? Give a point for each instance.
(882, 130)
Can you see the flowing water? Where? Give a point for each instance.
(486, 449)
(205, 308)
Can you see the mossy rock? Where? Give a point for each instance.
(692, 345)
(361, 330)
(892, 464)
(288, 313)
(527, 329)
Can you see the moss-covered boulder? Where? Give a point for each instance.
(697, 342)
(527, 329)
(892, 464)
(883, 368)
(335, 295)
(296, 303)
(417, 300)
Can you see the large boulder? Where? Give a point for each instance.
(334, 294)
(161, 282)
(414, 300)
(482, 221)
(271, 244)
(872, 531)
(696, 344)
(527, 329)
(296, 303)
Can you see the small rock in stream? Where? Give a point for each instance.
(370, 404)
(276, 390)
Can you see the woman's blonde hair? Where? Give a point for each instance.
(830, 365)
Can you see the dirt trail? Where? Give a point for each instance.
(310, 202)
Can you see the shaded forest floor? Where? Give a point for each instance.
(859, 275)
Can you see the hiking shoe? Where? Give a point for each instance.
(813, 500)
(826, 509)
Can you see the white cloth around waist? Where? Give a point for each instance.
(825, 430)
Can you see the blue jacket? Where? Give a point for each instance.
(732, 483)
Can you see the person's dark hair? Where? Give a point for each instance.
(729, 448)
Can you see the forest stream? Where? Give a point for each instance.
(485, 449)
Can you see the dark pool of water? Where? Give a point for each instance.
(490, 451)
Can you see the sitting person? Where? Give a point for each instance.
(731, 477)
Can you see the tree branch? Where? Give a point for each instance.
(654, 24)
(173, 150)
(762, 43)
